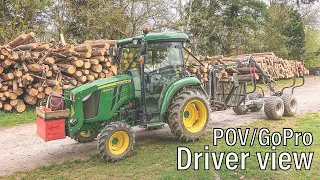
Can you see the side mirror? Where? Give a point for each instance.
(136, 41)
(143, 50)
(148, 79)
(111, 52)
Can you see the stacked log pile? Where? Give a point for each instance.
(31, 70)
(276, 67)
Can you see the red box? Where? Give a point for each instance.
(50, 129)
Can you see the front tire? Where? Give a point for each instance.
(85, 136)
(189, 115)
(115, 141)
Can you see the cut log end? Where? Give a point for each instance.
(7, 107)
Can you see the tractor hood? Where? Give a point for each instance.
(102, 83)
(97, 101)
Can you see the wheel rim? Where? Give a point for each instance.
(293, 105)
(279, 108)
(194, 116)
(118, 142)
(85, 134)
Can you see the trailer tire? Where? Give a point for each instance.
(255, 108)
(115, 141)
(274, 108)
(82, 137)
(290, 104)
(189, 115)
(240, 110)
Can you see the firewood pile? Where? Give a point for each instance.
(30, 70)
(276, 67)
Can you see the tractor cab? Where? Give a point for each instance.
(155, 62)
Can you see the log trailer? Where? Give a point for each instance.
(155, 89)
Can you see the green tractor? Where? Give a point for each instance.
(154, 88)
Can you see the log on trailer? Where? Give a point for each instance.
(276, 67)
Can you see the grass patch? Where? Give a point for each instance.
(156, 159)
(8, 119)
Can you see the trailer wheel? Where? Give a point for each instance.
(115, 141)
(290, 104)
(255, 108)
(240, 110)
(84, 136)
(274, 108)
(189, 115)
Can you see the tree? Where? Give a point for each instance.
(243, 21)
(273, 39)
(226, 27)
(294, 30)
(312, 47)
(109, 19)
(204, 25)
(20, 16)
(92, 19)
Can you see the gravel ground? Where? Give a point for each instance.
(23, 149)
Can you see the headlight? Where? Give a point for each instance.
(135, 41)
(86, 98)
(72, 97)
(73, 121)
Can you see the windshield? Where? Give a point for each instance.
(160, 55)
(129, 57)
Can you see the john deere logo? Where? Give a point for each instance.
(115, 83)
(107, 90)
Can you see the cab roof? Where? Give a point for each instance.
(165, 36)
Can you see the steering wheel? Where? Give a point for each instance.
(169, 69)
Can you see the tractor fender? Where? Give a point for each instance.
(176, 86)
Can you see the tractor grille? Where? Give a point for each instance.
(91, 105)
(224, 88)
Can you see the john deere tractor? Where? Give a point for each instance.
(154, 88)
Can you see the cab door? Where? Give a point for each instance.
(164, 65)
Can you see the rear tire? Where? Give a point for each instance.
(189, 115)
(255, 108)
(290, 104)
(115, 141)
(274, 108)
(240, 110)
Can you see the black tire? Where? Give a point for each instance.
(255, 108)
(274, 108)
(179, 116)
(106, 137)
(240, 110)
(290, 104)
(84, 137)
